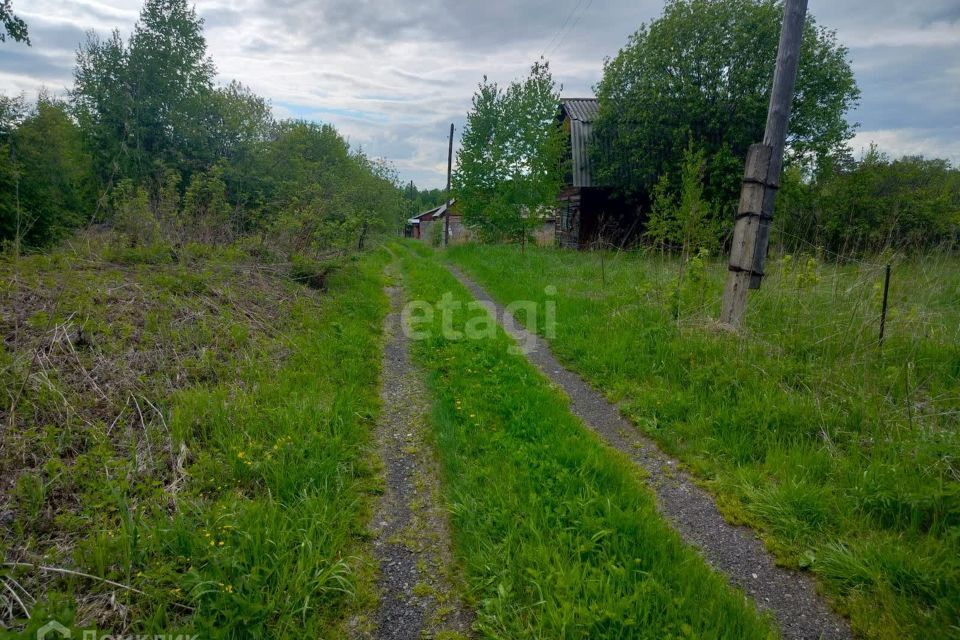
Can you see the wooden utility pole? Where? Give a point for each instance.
(761, 177)
(446, 218)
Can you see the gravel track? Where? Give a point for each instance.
(411, 539)
(789, 596)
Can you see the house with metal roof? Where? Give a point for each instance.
(589, 214)
(420, 224)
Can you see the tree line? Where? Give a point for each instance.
(680, 105)
(146, 141)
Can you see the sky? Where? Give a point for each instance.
(392, 75)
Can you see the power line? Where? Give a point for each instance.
(562, 27)
(571, 29)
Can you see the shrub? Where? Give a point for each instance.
(310, 271)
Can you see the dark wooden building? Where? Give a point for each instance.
(588, 214)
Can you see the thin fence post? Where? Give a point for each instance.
(883, 313)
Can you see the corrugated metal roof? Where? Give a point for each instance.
(441, 211)
(582, 109)
(429, 214)
(581, 112)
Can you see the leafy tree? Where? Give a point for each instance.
(102, 103)
(129, 211)
(661, 223)
(419, 200)
(908, 204)
(146, 106)
(242, 127)
(481, 171)
(320, 195)
(509, 165)
(681, 218)
(205, 206)
(47, 186)
(175, 159)
(13, 26)
(703, 72)
(170, 80)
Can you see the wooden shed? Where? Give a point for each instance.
(420, 224)
(589, 214)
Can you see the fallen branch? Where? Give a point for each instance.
(80, 574)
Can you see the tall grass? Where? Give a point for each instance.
(842, 453)
(558, 535)
(241, 514)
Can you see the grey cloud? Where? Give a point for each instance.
(44, 69)
(905, 87)
(393, 74)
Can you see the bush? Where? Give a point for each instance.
(310, 271)
(131, 215)
(435, 233)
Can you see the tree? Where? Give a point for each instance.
(47, 187)
(912, 203)
(146, 106)
(13, 26)
(509, 164)
(151, 146)
(170, 80)
(703, 72)
(681, 218)
(420, 200)
(480, 168)
(241, 126)
(102, 103)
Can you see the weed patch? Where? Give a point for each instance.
(197, 435)
(842, 454)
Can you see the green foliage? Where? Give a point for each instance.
(841, 454)
(662, 222)
(910, 204)
(419, 200)
(131, 215)
(206, 208)
(435, 233)
(509, 165)
(683, 220)
(558, 538)
(147, 103)
(169, 79)
(703, 72)
(13, 26)
(320, 195)
(148, 134)
(46, 184)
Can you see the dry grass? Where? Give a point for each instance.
(96, 343)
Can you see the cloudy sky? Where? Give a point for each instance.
(392, 75)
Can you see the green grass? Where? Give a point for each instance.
(843, 455)
(241, 513)
(558, 536)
